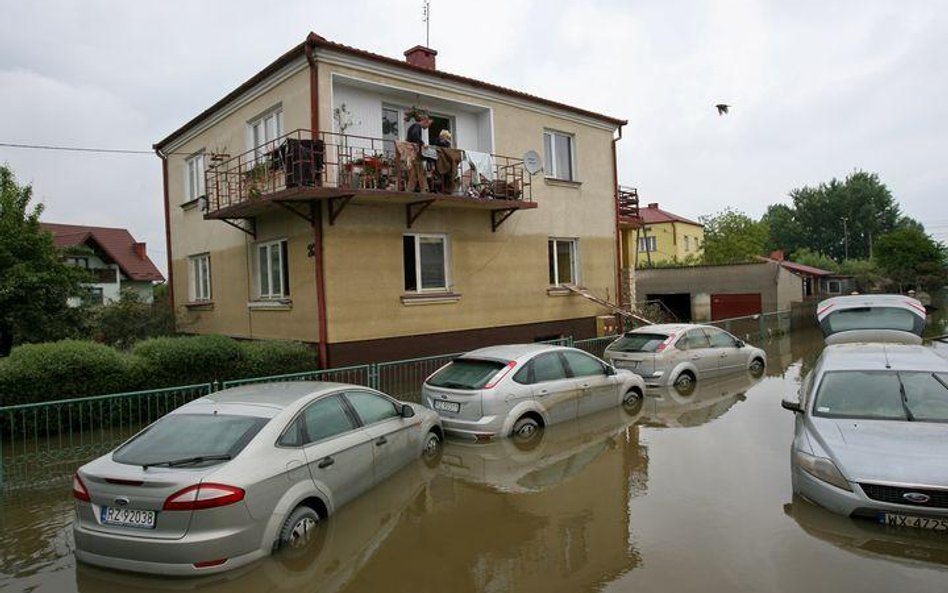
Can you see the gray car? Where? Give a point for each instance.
(679, 354)
(228, 478)
(517, 389)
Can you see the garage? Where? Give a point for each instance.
(726, 306)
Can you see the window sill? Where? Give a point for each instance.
(274, 305)
(192, 204)
(423, 298)
(200, 305)
(561, 291)
(562, 182)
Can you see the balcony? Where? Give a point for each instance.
(629, 216)
(302, 168)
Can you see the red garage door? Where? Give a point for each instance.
(725, 306)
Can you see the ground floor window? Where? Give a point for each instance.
(564, 261)
(427, 262)
(647, 244)
(200, 277)
(273, 278)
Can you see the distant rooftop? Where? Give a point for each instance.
(116, 244)
(652, 214)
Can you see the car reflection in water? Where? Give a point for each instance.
(865, 538)
(711, 399)
(339, 549)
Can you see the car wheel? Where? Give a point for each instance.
(757, 368)
(431, 452)
(299, 528)
(527, 433)
(685, 383)
(632, 402)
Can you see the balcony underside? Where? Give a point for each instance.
(630, 222)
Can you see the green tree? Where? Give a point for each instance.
(732, 236)
(808, 257)
(912, 259)
(123, 323)
(866, 273)
(35, 283)
(785, 234)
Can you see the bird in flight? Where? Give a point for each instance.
(722, 108)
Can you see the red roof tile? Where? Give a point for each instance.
(804, 269)
(117, 244)
(652, 214)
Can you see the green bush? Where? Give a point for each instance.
(265, 358)
(188, 360)
(59, 370)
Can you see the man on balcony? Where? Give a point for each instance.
(417, 176)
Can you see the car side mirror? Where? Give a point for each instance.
(792, 404)
(610, 370)
(741, 343)
(407, 411)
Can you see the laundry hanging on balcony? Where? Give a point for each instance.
(480, 162)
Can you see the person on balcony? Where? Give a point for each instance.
(446, 167)
(417, 175)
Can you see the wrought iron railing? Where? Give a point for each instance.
(628, 202)
(301, 159)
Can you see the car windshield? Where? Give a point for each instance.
(466, 373)
(895, 318)
(638, 342)
(190, 440)
(883, 395)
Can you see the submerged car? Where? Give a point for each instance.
(680, 354)
(515, 390)
(872, 318)
(230, 477)
(871, 434)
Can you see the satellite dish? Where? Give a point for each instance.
(531, 162)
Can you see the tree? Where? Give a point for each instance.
(910, 257)
(123, 323)
(865, 272)
(809, 257)
(785, 234)
(732, 236)
(35, 283)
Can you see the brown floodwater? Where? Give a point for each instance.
(688, 494)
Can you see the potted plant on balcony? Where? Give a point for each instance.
(257, 178)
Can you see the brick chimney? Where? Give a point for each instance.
(777, 255)
(139, 250)
(653, 205)
(421, 56)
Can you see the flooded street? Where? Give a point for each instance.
(687, 494)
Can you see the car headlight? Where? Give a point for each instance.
(821, 468)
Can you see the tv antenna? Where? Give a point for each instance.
(426, 17)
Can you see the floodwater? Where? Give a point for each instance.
(689, 494)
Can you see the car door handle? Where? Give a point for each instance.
(696, 357)
(325, 462)
(380, 441)
(544, 392)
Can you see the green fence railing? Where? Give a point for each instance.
(358, 375)
(763, 325)
(595, 346)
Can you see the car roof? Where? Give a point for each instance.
(666, 328)
(510, 352)
(849, 301)
(278, 395)
(879, 356)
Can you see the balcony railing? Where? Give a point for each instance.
(628, 204)
(328, 164)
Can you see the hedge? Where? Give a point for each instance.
(71, 368)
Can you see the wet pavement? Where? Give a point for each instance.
(685, 494)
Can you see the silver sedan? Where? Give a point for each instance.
(230, 477)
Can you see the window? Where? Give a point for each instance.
(180, 436)
(647, 244)
(547, 367)
(273, 279)
(194, 180)
(564, 261)
(722, 339)
(263, 132)
(558, 155)
(200, 277)
(466, 374)
(636, 342)
(693, 340)
(91, 295)
(687, 243)
(79, 262)
(426, 262)
(372, 408)
(325, 418)
(832, 287)
(583, 365)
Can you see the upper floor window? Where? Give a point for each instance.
(564, 261)
(200, 277)
(273, 279)
(263, 131)
(427, 262)
(558, 152)
(647, 244)
(194, 179)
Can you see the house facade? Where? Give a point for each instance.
(666, 237)
(289, 216)
(112, 256)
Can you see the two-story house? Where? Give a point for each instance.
(667, 237)
(289, 214)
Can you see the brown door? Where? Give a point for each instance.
(726, 306)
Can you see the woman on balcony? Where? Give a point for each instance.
(417, 176)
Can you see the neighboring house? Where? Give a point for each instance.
(289, 215)
(116, 261)
(817, 283)
(665, 237)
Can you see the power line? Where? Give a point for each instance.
(79, 149)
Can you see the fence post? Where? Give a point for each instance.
(760, 326)
(374, 375)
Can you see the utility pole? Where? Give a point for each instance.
(845, 240)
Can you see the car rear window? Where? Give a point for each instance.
(183, 436)
(638, 342)
(466, 373)
(883, 395)
(871, 318)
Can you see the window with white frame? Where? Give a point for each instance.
(564, 261)
(200, 277)
(558, 153)
(273, 279)
(427, 262)
(263, 131)
(687, 243)
(194, 179)
(648, 244)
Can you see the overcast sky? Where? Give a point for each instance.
(818, 88)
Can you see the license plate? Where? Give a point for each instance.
(939, 524)
(628, 364)
(128, 517)
(447, 406)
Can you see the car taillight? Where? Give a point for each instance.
(917, 307)
(499, 376)
(203, 496)
(79, 490)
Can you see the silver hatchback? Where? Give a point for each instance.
(682, 354)
(228, 478)
(517, 389)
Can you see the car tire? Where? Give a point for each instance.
(685, 383)
(431, 451)
(299, 529)
(632, 402)
(757, 368)
(526, 433)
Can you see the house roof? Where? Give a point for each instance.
(117, 244)
(652, 214)
(795, 267)
(318, 41)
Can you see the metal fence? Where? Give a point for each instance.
(761, 326)
(359, 375)
(595, 346)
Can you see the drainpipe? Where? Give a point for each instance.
(316, 209)
(615, 183)
(164, 181)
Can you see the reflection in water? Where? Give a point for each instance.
(712, 398)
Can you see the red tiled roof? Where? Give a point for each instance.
(652, 214)
(803, 269)
(117, 244)
(319, 41)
